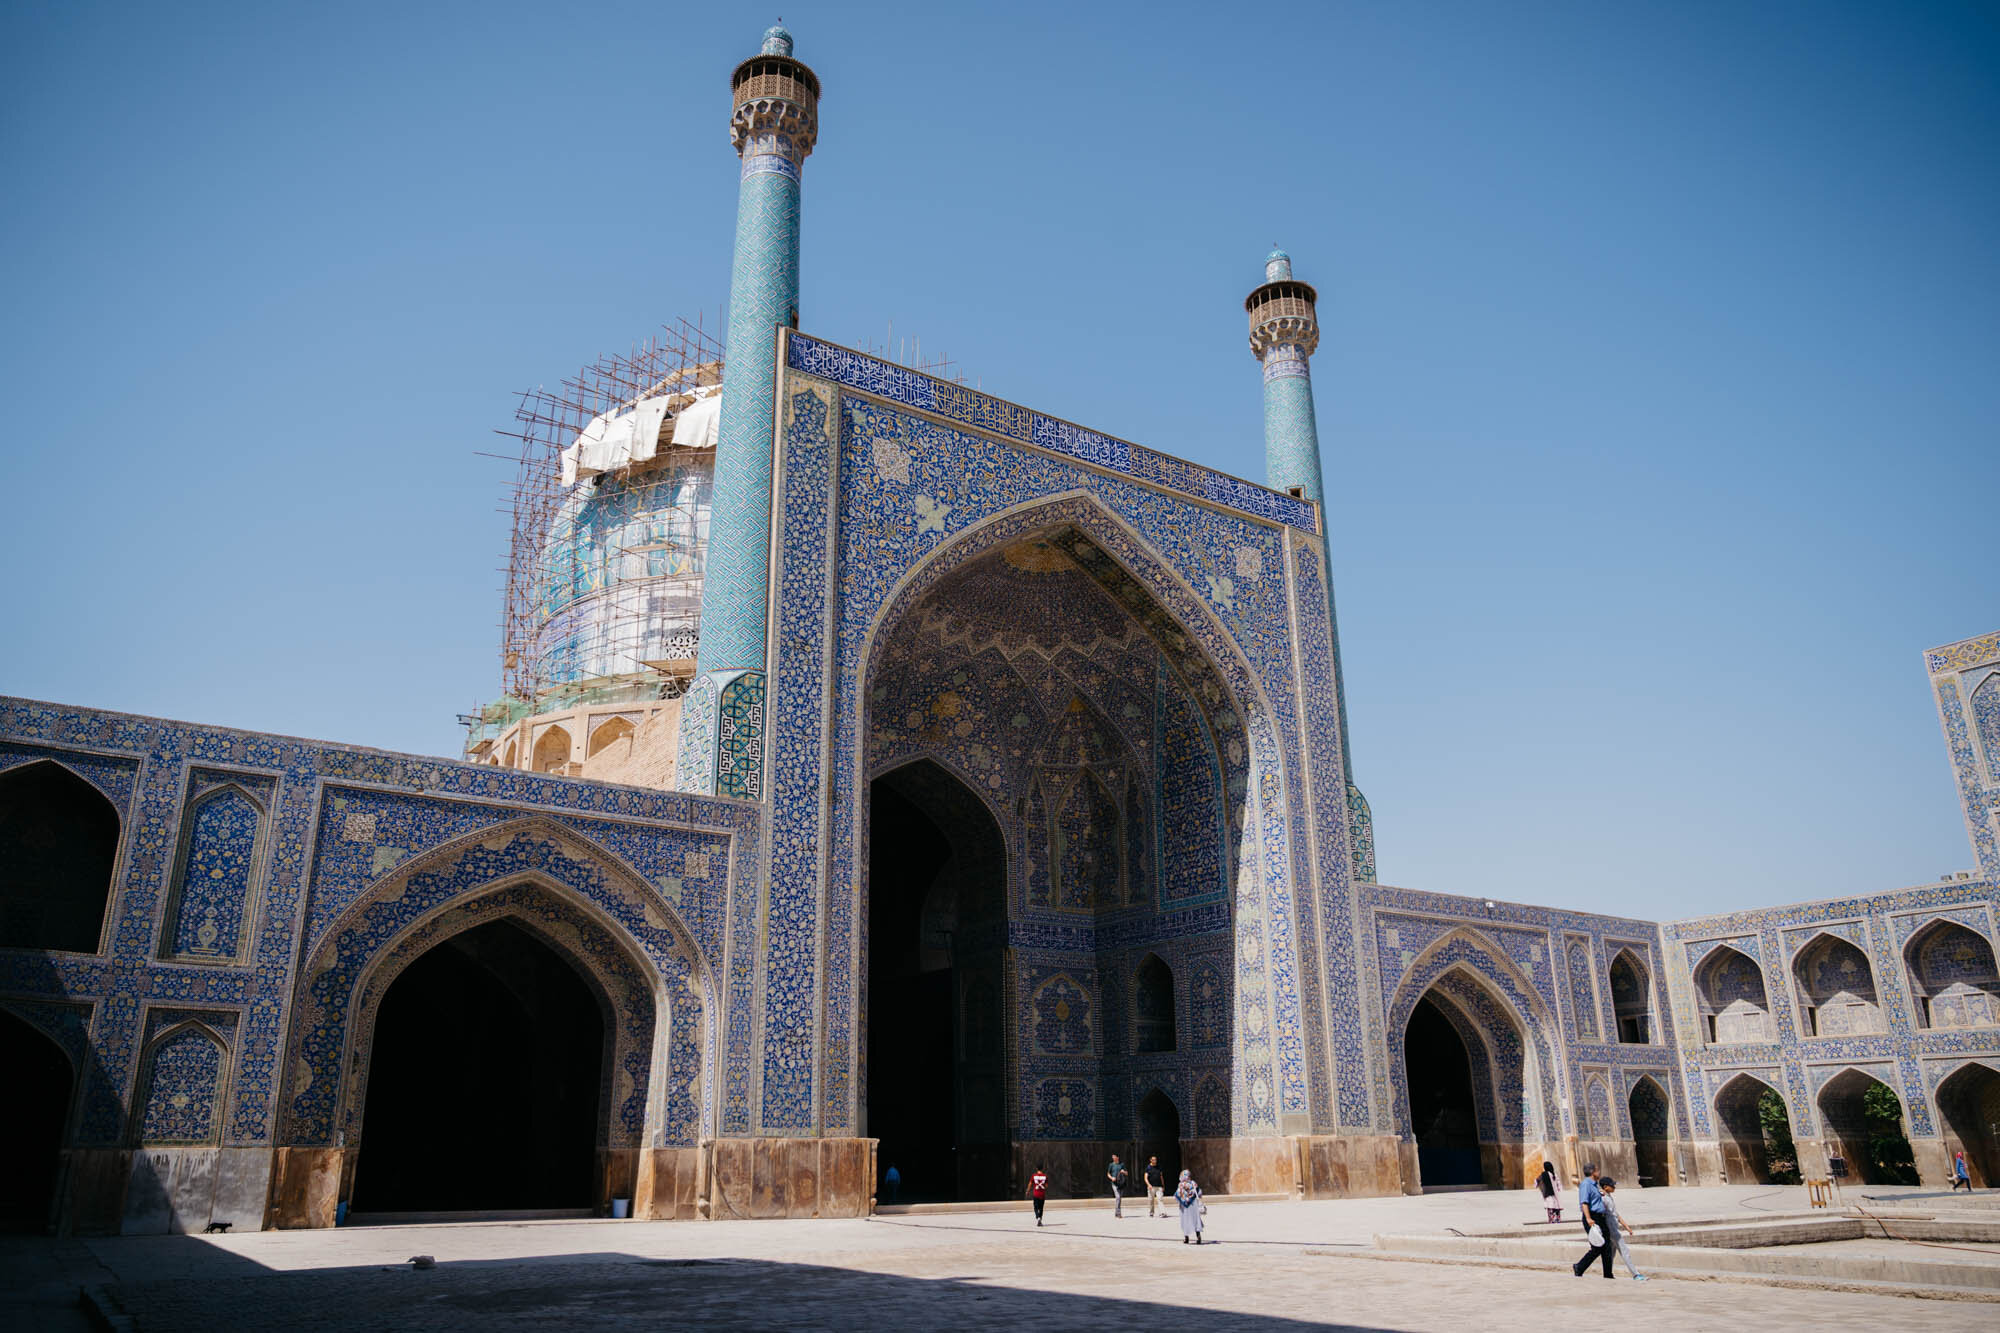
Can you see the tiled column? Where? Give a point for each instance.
(773, 128)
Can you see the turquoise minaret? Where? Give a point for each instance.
(773, 126)
(1284, 333)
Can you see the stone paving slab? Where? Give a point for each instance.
(962, 1271)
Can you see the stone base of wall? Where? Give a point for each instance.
(1618, 1160)
(757, 1178)
(1349, 1166)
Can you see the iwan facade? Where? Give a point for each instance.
(1015, 826)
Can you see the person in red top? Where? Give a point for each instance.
(1038, 1190)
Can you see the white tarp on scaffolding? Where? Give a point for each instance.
(696, 426)
(632, 435)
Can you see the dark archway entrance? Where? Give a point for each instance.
(1159, 1126)
(1443, 1112)
(485, 1084)
(1651, 1134)
(1863, 1123)
(58, 844)
(937, 869)
(1969, 1102)
(1755, 1131)
(33, 1115)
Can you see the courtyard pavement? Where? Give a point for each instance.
(1271, 1266)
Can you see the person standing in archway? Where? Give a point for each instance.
(1038, 1190)
(1960, 1173)
(1156, 1185)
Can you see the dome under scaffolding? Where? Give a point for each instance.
(602, 613)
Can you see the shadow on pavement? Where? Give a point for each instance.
(219, 1290)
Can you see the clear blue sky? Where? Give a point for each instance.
(1658, 388)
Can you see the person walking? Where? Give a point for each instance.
(1960, 1173)
(1619, 1228)
(1596, 1223)
(1188, 1195)
(1038, 1190)
(1552, 1202)
(1156, 1185)
(1117, 1175)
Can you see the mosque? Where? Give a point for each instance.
(906, 776)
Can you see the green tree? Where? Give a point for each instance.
(1781, 1154)
(1888, 1149)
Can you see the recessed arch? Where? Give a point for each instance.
(59, 839)
(591, 904)
(931, 1084)
(34, 1121)
(217, 866)
(1729, 990)
(185, 1070)
(1863, 1122)
(1199, 661)
(1968, 1103)
(1952, 978)
(1836, 989)
(1153, 1006)
(1157, 1122)
(495, 1009)
(609, 733)
(1651, 1112)
(552, 749)
(1631, 984)
(1753, 1124)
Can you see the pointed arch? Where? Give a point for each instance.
(1238, 722)
(185, 1070)
(1753, 1124)
(593, 907)
(216, 869)
(609, 733)
(59, 842)
(553, 748)
(1650, 1111)
(1631, 984)
(1864, 1121)
(1835, 986)
(1953, 981)
(41, 1097)
(1729, 991)
(1153, 1006)
(1968, 1107)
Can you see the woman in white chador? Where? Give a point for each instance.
(1188, 1196)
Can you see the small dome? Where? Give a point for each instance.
(777, 41)
(1277, 265)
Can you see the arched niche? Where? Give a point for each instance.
(610, 733)
(1862, 1121)
(1968, 1103)
(185, 1071)
(58, 848)
(1836, 989)
(552, 750)
(1631, 997)
(1729, 990)
(1952, 976)
(1157, 1126)
(936, 974)
(1152, 1006)
(1651, 1110)
(1753, 1125)
(34, 1120)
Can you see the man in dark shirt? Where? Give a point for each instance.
(1116, 1174)
(1156, 1182)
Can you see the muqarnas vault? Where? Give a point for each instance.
(889, 773)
